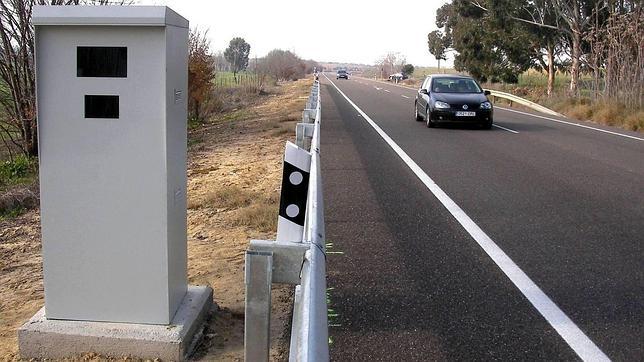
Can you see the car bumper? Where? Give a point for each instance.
(449, 115)
(342, 76)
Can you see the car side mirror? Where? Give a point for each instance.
(487, 92)
(424, 91)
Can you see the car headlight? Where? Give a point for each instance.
(486, 105)
(441, 105)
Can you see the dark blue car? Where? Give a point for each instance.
(447, 98)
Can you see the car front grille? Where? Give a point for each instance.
(470, 106)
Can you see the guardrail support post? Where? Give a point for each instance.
(303, 135)
(259, 276)
(308, 115)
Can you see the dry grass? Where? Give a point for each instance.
(610, 113)
(578, 111)
(229, 197)
(289, 118)
(635, 121)
(280, 131)
(261, 217)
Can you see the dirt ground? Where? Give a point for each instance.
(234, 171)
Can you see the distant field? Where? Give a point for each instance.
(227, 79)
(422, 72)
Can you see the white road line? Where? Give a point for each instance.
(404, 96)
(505, 129)
(567, 329)
(387, 90)
(572, 124)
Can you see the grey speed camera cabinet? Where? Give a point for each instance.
(111, 95)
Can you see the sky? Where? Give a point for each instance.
(326, 31)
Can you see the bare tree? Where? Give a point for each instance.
(201, 72)
(617, 56)
(221, 64)
(18, 124)
(391, 63)
(283, 65)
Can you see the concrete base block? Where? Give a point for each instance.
(48, 338)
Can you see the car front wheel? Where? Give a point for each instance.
(428, 119)
(416, 114)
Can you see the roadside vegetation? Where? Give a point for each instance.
(532, 85)
(582, 58)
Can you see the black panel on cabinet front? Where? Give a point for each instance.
(101, 106)
(107, 62)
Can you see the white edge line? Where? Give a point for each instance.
(567, 329)
(404, 96)
(572, 124)
(505, 129)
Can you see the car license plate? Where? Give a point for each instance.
(465, 114)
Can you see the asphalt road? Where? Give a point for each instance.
(522, 243)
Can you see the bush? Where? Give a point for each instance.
(12, 171)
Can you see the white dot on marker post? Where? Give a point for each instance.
(292, 210)
(296, 178)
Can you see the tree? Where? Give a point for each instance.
(438, 43)
(390, 63)
(523, 17)
(18, 125)
(237, 55)
(283, 65)
(572, 18)
(407, 69)
(547, 41)
(616, 54)
(486, 47)
(201, 72)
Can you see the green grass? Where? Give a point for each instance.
(12, 213)
(238, 115)
(244, 79)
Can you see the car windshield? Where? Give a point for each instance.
(342, 71)
(455, 85)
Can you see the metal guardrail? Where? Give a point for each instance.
(309, 333)
(522, 101)
(297, 257)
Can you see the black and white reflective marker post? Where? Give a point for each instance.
(295, 187)
(277, 261)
